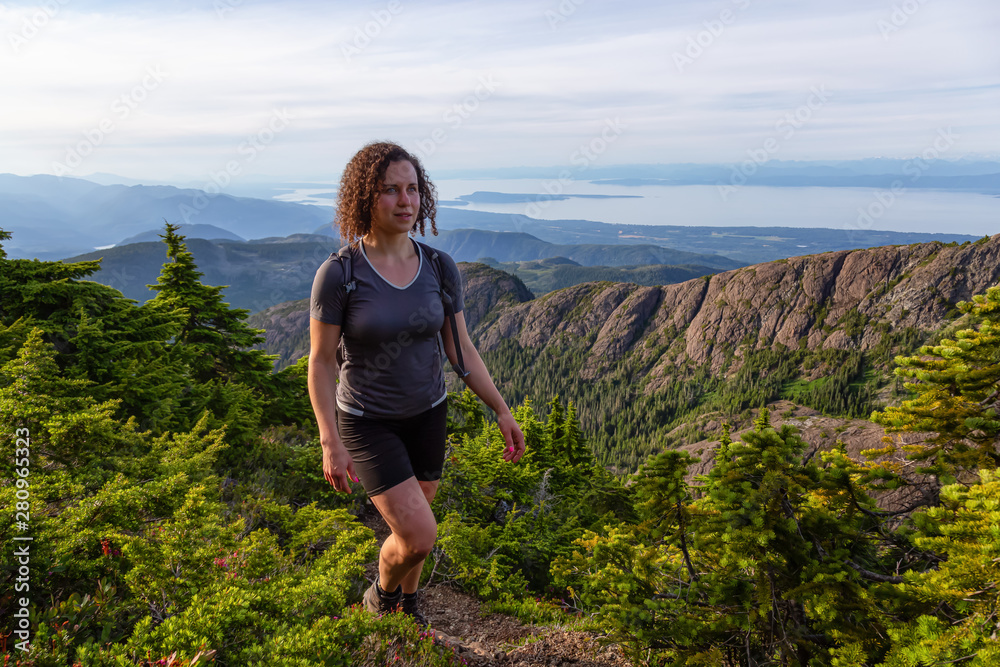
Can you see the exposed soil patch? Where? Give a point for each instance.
(498, 639)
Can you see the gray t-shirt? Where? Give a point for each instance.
(392, 355)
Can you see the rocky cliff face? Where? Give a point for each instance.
(286, 331)
(487, 290)
(831, 300)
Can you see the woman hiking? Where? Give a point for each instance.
(385, 297)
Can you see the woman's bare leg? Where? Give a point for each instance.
(406, 508)
(411, 582)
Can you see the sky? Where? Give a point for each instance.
(183, 91)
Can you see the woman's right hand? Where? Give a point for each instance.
(338, 468)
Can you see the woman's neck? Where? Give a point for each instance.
(388, 245)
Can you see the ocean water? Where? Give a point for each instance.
(910, 210)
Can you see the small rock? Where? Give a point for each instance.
(478, 648)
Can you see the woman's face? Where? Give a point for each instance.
(398, 201)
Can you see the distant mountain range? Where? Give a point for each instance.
(54, 217)
(487, 197)
(983, 183)
(825, 173)
(803, 302)
(265, 272)
(745, 245)
(468, 245)
(547, 275)
(209, 232)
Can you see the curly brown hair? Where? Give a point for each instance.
(360, 187)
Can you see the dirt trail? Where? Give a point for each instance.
(498, 639)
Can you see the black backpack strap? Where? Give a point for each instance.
(448, 302)
(347, 264)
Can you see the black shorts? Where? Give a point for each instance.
(387, 452)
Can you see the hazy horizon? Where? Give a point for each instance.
(515, 172)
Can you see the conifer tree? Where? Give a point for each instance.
(958, 387)
(575, 445)
(35, 398)
(663, 503)
(962, 604)
(99, 336)
(554, 430)
(235, 382)
(215, 336)
(51, 293)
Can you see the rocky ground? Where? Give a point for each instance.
(497, 639)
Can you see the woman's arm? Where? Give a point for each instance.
(480, 382)
(338, 468)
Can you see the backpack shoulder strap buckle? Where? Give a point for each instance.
(347, 264)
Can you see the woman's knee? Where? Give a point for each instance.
(418, 543)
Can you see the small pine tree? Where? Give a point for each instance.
(555, 429)
(575, 444)
(235, 383)
(958, 396)
(215, 336)
(960, 594)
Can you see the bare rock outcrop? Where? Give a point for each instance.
(827, 300)
(486, 289)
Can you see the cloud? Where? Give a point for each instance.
(396, 69)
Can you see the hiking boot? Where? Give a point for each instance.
(379, 602)
(411, 607)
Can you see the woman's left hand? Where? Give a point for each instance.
(512, 435)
